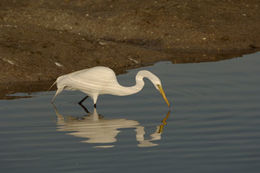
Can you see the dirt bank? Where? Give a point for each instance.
(40, 40)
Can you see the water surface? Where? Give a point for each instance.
(213, 126)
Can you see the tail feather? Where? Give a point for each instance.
(57, 92)
(60, 87)
(52, 85)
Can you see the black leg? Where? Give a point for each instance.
(80, 102)
(85, 109)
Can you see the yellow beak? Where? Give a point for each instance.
(163, 94)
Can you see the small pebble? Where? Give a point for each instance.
(58, 64)
(133, 60)
(8, 61)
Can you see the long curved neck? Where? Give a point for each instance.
(138, 86)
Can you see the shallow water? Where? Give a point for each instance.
(213, 126)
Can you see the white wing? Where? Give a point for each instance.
(92, 80)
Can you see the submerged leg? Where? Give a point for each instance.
(95, 97)
(80, 102)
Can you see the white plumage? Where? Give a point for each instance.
(102, 80)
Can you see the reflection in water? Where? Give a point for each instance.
(94, 128)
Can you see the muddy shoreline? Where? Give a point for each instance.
(40, 40)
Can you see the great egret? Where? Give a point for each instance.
(102, 80)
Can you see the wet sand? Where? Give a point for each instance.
(40, 40)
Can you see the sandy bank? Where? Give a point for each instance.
(40, 40)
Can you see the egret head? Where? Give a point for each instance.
(158, 85)
(154, 79)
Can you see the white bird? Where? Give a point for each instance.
(102, 80)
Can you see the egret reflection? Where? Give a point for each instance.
(94, 128)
